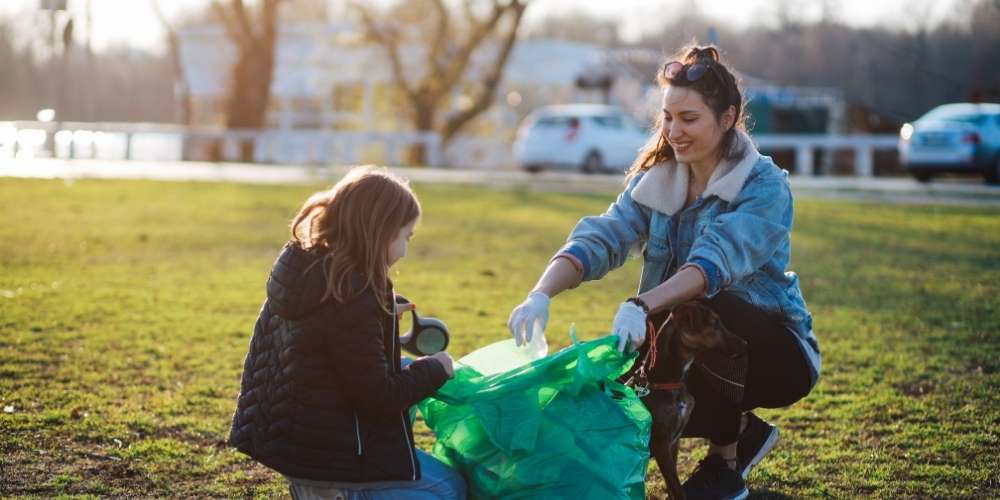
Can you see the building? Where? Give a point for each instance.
(327, 77)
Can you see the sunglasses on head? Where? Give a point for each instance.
(692, 72)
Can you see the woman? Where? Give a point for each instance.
(714, 218)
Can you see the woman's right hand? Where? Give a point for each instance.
(445, 359)
(522, 319)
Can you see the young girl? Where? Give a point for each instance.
(324, 399)
(714, 219)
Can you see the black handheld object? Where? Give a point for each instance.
(427, 335)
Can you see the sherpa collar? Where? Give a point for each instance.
(664, 187)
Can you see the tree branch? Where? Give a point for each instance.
(478, 32)
(228, 24)
(441, 33)
(391, 45)
(268, 21)
(491, 82)
(240, 13)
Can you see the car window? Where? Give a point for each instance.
(608, 121)
(953, 115)
(554, 121)
(635, 124)
(973, 119)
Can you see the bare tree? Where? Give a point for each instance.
(250, 77)
(306, 10)
(450, 45)
(181, 91)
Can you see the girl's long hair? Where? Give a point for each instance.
(351, 225)
(719, 87)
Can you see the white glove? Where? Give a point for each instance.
(630, 326)
(522, 319)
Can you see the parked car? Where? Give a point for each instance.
(588, 137)
(960, 138)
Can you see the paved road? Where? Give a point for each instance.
(885, 190)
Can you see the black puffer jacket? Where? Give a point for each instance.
(322, 395)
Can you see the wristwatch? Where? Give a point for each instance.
(637, 301)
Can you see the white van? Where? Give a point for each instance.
(587, 137)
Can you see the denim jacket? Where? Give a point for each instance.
(736, 233)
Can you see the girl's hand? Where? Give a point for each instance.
(445, 359)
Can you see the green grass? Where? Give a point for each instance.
(126, 308)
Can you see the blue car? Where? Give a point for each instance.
(953, 138)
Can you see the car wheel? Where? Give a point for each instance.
(992, 173)
(922, 176)
(592, 163)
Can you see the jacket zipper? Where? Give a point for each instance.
(409, 446)
(402, 417)
(357, 431)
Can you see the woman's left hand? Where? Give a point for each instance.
(630, 326)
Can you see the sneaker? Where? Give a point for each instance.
(714, 480)
(756, 441)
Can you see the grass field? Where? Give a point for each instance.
(126, 308)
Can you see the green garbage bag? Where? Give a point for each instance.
(557, 427)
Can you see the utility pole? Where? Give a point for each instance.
(53, 81)
(89, 54)
(54, 84)
(55, 35)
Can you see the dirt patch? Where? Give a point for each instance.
(916, 388)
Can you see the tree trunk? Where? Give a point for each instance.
(423, 121)
(448, 58)
(250, 79)
(246, 106)
(490, 82)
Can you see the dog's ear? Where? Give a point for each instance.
(702, 329)
(694, 327)
(727, 341)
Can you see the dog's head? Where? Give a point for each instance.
(692, 328)
(695, 328)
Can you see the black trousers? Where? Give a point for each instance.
(777, 371)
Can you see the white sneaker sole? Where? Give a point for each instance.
(772, 440)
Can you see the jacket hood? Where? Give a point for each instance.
(297, 282)
(664, 187)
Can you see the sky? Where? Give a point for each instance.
(133, 22)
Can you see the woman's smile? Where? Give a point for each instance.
(682, 147)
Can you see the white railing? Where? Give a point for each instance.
(804, 145)
(146, 141)
(149, 141)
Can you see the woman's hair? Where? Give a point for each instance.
(719, 88)
(352, 225)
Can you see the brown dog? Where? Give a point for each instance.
(691, 330)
